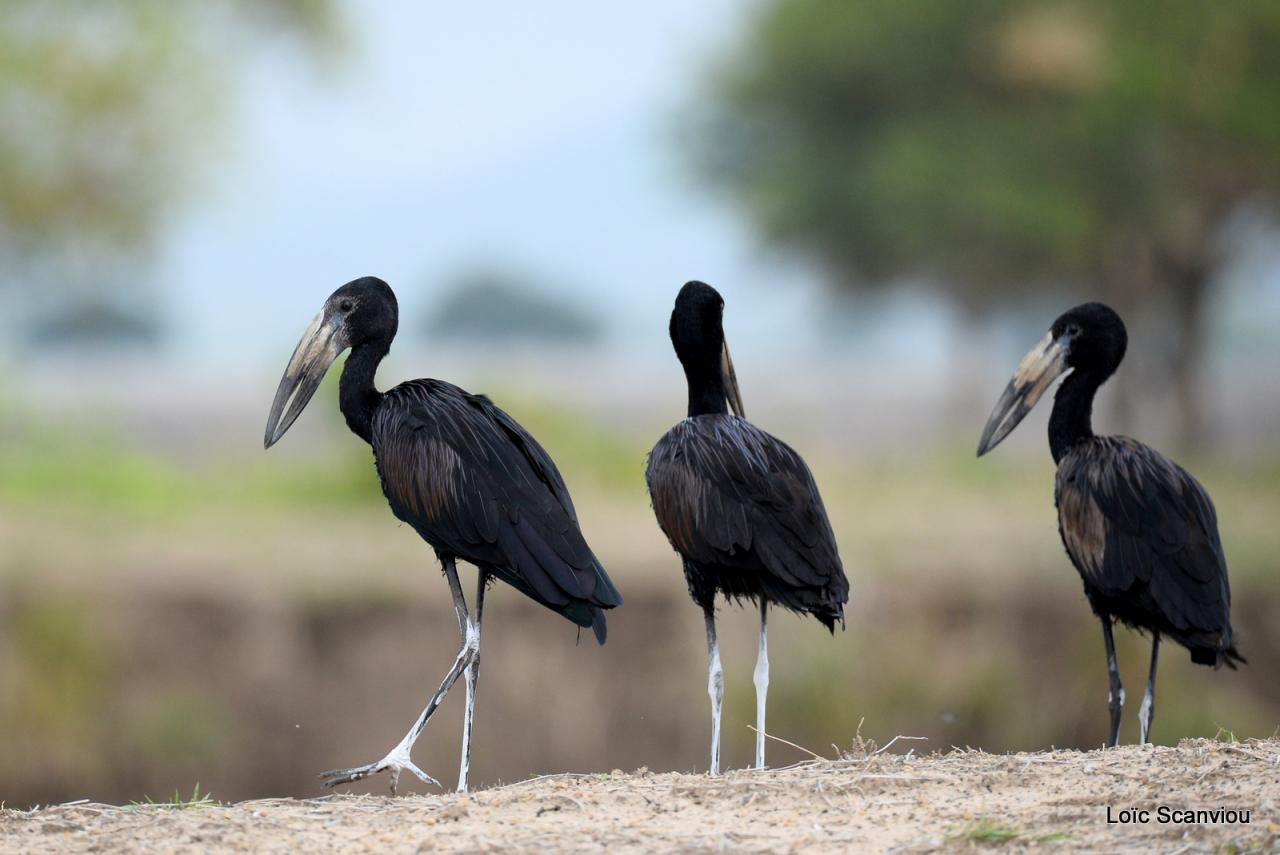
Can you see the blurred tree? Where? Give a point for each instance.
(998, 145)
(488, 304)
(107, 113)
(94, 323)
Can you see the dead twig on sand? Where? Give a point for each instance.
(887, 745)
(812, 754)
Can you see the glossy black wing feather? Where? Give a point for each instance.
(1144, 535)
(743, 510)
(477, 485)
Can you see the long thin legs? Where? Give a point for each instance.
(761, 679)
(1147, 711)
(471, 676)
(1115, 694)
(398, 758)
(715, 686)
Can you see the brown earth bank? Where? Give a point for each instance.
(135, 692)
(868, 800)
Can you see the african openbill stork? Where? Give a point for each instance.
(739, 505)
(1141, 531)
(464, 474)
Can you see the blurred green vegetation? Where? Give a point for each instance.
(117, 103)
(110, 114)
(882, 506)
(108, 474)
(195, 584)
(63, 669)
(185, 730)
(50, 461)
(1001, 147)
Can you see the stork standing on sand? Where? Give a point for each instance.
(1141, 531)
(464, 474)
(739, 505)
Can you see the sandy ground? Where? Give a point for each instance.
(867, 801)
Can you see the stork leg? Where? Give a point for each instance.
(471, 676)
(761, 679)
(1147, 711)
(715, 686)
(1115, 693)
(398, 759)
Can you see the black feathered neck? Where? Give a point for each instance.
(1096, 340)
(706, 392)
(1071, 421)
(358, 397)
(697, 334)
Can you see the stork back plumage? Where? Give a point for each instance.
(476, 485)
(1143, 533)
(742, 509)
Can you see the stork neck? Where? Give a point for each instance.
(357, 396)
(706, 391)
(1072, 417)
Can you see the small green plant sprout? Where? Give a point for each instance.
(986, 830)
(177, 802)
(1054, 837)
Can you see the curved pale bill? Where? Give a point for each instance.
(731, 390)
(316, 351)
(1036, 373)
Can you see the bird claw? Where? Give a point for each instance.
(336, 777)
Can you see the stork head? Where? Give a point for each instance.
(362, 312)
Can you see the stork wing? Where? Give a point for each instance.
(725, 492)
(475, 484)
(1132, 519)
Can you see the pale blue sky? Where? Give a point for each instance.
(542, 137)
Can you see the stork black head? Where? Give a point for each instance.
(1096, 336)
(1089, 338)
(697, 333)
(362, 313)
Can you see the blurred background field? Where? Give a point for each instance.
(895, 200)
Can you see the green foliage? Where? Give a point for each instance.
(998, 142)
(108, 109)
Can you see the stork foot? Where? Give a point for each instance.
(392, 762)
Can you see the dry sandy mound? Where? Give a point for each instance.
(954, 801)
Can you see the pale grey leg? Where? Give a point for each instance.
(398, 758)
(1147, 711)
(471, 676)
(762, 681)
(1115, 691)
(715, 687)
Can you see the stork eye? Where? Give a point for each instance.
(1073, 330)
(346, 306)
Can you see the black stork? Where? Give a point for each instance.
(464, 474)
(1141, 531)
(739, 505)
